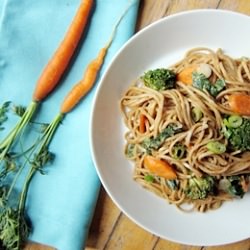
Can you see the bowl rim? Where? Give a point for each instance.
(97, 93)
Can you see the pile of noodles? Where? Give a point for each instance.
(174, 106)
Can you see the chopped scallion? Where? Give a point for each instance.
(130, 150)
(216, 147)
(234, 121)
(179, 151)
(196, 114)
(149, 178)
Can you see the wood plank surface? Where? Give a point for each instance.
(111, 229)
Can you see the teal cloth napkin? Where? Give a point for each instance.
(60, 203)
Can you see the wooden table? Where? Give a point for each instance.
(111, 229)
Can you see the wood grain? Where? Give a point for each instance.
(151, 10)
(111, 229)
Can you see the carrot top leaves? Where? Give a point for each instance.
(3, 113)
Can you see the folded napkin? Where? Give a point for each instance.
(60, 203)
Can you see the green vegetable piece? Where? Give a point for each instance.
(234, 121)
(237, 131)
(225, 122)
(130, 150)
(201, 82)
(200, 188)
(159, 79)
(235, 187)
(179, 151)
(196, 114)
(154, 143)
(149, 178)
(216, 147)
(216, 88)
(227, 133)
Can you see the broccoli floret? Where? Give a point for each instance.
(154, 143)
(159, 79)
(201, 82)
(237, 133)
(200, 188)
(234, 185)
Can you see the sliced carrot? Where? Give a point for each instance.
(159, 167)
(240, 104)
(61, 58)
(142, 126)
(185, 76)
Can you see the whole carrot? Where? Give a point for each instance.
(61, 58)
(80, 89)
(83, 86)
(52, 73)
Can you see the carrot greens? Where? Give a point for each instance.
(3, 113)
(14, 222)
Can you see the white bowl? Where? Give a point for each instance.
(161, 44)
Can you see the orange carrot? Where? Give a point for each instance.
(185, 76)
(80, 89)
(240, 104)
(159, 167)
(52, 73)
(142, 125)
(83, 86)
(60, 60)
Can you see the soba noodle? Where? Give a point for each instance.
(174, 106)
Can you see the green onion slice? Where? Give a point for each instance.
(179, 151)
(216, 147)
(149, 178)
(234, 121)
(196, 114)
